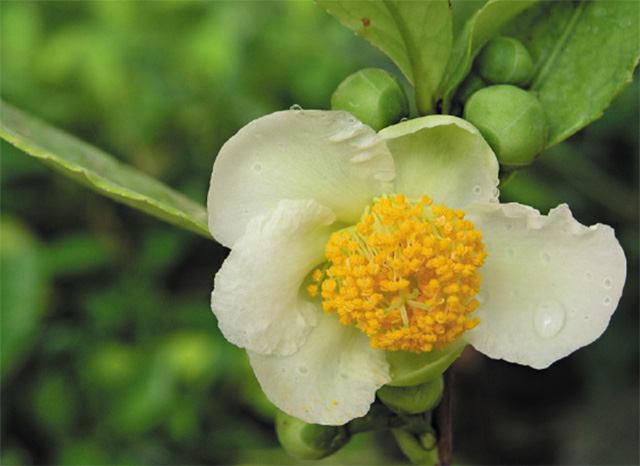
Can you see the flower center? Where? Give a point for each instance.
(405, 275)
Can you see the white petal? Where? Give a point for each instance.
(256, 292)
(444, 157)
(549, 284)
(327, 156)
(332, 379)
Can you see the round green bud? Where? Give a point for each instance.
(505, 60)
(414, 399)
(373, 96)
(511, 120)
(471, 84)
(309, 441)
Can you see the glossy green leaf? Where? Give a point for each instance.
(485, 24)
(100, 171)
(415, 35)
(584, 55)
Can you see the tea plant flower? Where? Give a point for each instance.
(350, 246)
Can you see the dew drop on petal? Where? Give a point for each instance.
(548, 319)
(257, 167)
(496, 192)
(508, 227)
(477, 190)
(588, 276)
(295, 107)
(303, 370)
(546, 258)
(607, 283)
(606, 301)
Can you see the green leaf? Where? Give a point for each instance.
(24, 292)
(415, 35)
(100, 171)
(485, 24)
(584, 55)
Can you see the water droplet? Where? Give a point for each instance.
(607, 283)
(607, 300)
(546, 258)
(496, 192)
(508, 227)
(477, 190)
(548, 319)
(295, 108)
(510, 252)
(257, 167)
(351, 120)
(588, 276)
(303, 370)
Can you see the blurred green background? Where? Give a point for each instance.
(110, 353)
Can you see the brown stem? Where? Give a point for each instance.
(442, 422)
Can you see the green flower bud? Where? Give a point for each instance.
(414, 399)
(511, 120)
(505, 60)
(373, 96)
(471, 84)
(309, 441)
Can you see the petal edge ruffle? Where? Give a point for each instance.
(256, 295)
(549, 284)
(332, 379)
(328, 156)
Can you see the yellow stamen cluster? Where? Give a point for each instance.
(405, 275)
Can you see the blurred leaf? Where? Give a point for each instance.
(56, 403)
(149, 399)
(416, 35)
(24, 287)
(77, 254)
(100, 171)
(485, 24)
(191, 356)
(584, 55)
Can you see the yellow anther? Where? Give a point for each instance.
(404, 275)
(317, 276)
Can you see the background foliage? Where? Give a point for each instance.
(110, 354)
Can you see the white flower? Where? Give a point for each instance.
(287, 181)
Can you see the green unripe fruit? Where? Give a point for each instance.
(505, 60)
(414, 399)
(309, 441)
(373, 96)
(511, 120)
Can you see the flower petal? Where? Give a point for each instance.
(444, 157)
(256, 292)
(332, 379)
(327, 156)
(549, 284)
